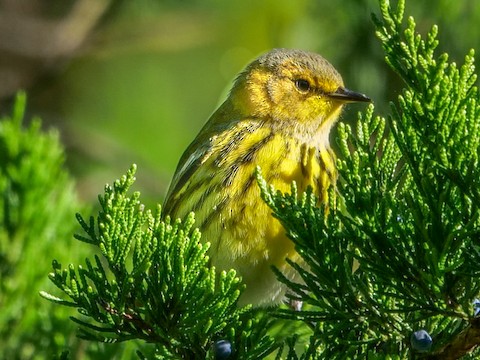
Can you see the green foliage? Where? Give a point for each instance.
(401, 253)
(153, 282)
(36, 206)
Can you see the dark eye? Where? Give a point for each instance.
(302, 85)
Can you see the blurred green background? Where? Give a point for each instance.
(133, 81)
(147, 74)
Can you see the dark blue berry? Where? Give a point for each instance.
(421, 340)
(476, 307)
(223, 349)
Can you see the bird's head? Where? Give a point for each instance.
(292, 86)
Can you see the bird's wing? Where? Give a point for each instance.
(217, 138)
(195, 155)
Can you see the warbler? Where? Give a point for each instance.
(277, 116)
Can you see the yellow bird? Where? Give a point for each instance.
(278, 116)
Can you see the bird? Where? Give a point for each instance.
(277, 116)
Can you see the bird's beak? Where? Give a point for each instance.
(344, 95)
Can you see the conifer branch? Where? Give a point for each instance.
(153, 282)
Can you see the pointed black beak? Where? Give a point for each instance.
(345, 95)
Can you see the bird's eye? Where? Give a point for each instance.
(302, 85)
